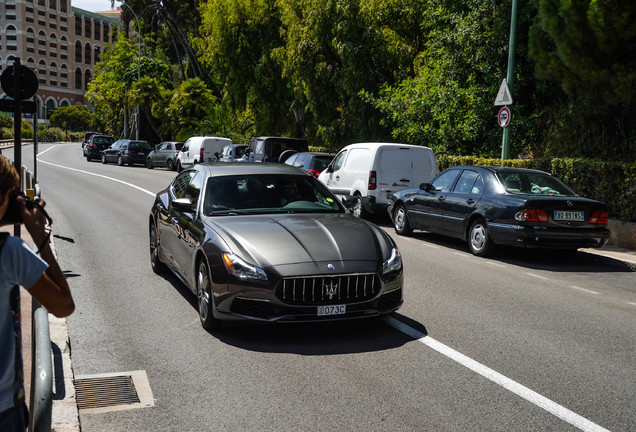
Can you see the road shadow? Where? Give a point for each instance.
(532, 258)
(319, 339)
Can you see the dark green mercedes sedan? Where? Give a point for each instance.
(268, 242)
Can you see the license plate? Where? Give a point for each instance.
(332, 310)
(568, 215)
(141, 154)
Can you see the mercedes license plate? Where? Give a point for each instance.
(568, 215)
(332, 310)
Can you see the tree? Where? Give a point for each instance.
(74, 118)
(189, 105)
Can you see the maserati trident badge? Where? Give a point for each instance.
(331, 289)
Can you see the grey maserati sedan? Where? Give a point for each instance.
(268, 242)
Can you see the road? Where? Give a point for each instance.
(517, 342)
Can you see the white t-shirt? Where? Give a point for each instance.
(19, 265)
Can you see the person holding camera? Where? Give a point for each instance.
(40, 274)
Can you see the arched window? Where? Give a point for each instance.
(64, 103)
(50, 108)
(78, 79)
(12, 38)
(98, 53)
(78, 52)
(64, 48)
(53, 74)
(64, 76)
(53, 45)
(87, 53)
(42, 72)
(30, 40)
(87, 78)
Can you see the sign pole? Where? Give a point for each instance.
(17, 129)
(505, 144)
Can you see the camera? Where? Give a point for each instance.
(13, 214)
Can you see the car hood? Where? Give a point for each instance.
(275, 240)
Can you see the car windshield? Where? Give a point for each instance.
(267, 193)
(521, 183)
(320, 162)
(140, 145)
(103, 140)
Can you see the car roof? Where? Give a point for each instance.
(316, 153)
(498, 169)
(280, 138)
(243, 168)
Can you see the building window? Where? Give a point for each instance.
(87, 79)
(106, 31)
(87, 54)
(42, 72)
(97, 36)
(78, 79)
(52, 4)
(78, 52)
(78, 25)
(50, 108)
(63, 6)
(98, 54)
(87, 27)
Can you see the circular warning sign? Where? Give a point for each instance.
(504, 117)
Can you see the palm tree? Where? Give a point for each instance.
(145, 93)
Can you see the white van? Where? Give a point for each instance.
(200, 149)
(373, 171)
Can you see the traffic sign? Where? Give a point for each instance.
(504, 97)
(28, 82)
(504, 117)
(8, 105)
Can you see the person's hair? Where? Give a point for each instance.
(9, 177)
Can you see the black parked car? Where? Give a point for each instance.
(269, 242)
(125, 151)
(312, 162)
(164, 155)
(490, 206)
(96, 145)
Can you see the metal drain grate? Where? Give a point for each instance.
(105, 391)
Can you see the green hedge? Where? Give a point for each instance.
(613, 183)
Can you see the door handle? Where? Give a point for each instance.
(442, 198)
(470, 201)
(337, 177)
(404, 180)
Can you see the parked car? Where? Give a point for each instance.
(125, 151)
(96, 145)
(312, 162)
(274, 149)
(201, 149)
(491, 206)
(164, 155)
(233, 152)
(215, 224)
(87, 135)
(373, 171)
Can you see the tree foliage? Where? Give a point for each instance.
(73, 118)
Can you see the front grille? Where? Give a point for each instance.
(325, 290)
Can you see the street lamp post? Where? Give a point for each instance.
(138, 63)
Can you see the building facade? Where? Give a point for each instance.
(60, 43)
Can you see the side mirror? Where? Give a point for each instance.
(329, 168)
(349, 201)
(183, 205)
(426, 187)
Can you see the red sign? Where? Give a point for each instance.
(504, 117)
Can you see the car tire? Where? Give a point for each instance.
(120, 160)
(104, 161)
(401, 221)
(149, 163)
(205, 299)
(358, 208)
(88, 158)
(179, 167)
(479, 240)
(155, 261)
(170, 165)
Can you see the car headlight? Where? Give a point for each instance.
(394, 263)
(242, 270)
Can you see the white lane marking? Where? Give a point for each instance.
(496, 264)
(499, 379)
(631, 303)
(537, 276)
(96, 175)
(584, 290)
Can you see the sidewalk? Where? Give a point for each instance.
(65, 415)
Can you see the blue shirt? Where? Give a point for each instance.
(19, 265)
